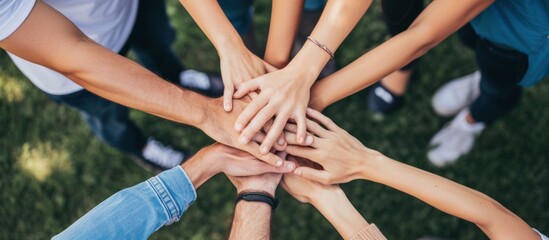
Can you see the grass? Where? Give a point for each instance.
(52, 169)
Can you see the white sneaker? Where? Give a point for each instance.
(454, 140)
(194, 79)
(456, 95)
(161, 156)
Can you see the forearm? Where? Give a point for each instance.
(452, 198)
(340, 212)
(138, 211)
(59, 45)
(440, 19)
(252, 220)
(337, 21)
(212, 21)
(285, 18)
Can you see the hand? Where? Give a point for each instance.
(305, 190)
(218, 125)
(283, 94)
(217, 158)
(342, 156)
(239, 65)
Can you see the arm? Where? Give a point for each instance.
(285, 16)
(332, 202)
(138, 211)
(344, 158)
(59, 45)
(238, 64)
(285, 93)
(252, 220)
(440, 19)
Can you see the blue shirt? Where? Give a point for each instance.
(138, 211)
(522, 25)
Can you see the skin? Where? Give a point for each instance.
(219, 158)
(60, 46)
(440, 19)
(284, 94)
(252, 220)
(343, 158)
(345, 218)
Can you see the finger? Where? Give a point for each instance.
(290, 127)
(256, 124)
(270, 158)
(259, 137)
(327, 122)
(280, 142)
(301, 122)
(250, 111)
(320, 176)
(310, 140)
(246, 87)
(275, 132)
(260, 167)
(228, 96)
(301, 151)
(315, 128)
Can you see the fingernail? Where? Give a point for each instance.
(238, 127)
(279, 163)
(297, 172)
(309, 110)
(280, 142)
(300, 140)
(227, 107)
(309, 140)
(243, 140)
(290, 166)
(264, 150)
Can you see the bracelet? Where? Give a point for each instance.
(257, 196)
(320, 45)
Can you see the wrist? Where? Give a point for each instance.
(310, 60)
(199, 170)
(267, 188)
(228, 47)
(373, 165)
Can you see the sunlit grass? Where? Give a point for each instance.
(40, 160)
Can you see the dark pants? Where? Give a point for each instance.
(399, 15)
(151, 39)
(501, 70)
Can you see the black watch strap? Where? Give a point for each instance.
(258, 196)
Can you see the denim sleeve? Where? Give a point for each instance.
(138, 211)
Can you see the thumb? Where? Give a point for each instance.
(246, 87)
(312, 174)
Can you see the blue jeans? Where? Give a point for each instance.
(240, 12)
(151, 39)
(501, 71)
(109, 121)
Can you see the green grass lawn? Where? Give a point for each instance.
(53, 170)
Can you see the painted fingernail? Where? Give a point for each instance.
(238, 127)
(309, 140)
(243, 140)
(298, 172)
(279, 163)
(280, 142)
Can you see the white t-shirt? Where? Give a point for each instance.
(543, 237)
(12, 15)
(108, 22)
